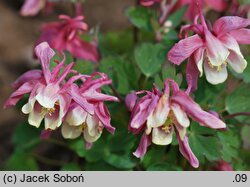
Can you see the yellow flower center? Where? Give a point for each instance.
(218, 68)
(83, 126)
(167, 126)
(49, 111)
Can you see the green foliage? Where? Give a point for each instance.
(168, 71)
(124, 74)
(116, 42)
(164, 167)
(177, 16)
(20, 161)
(26, 137)
(238, 101)
(230, 141)
(204, 143)
(140, 17)
(149, 58)
(71, 167)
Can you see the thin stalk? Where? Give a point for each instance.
(116, 93)
(237, 114)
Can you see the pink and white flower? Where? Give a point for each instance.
(47, 99)
(79, 121)
(158, 115)
(65, 35)
(58, 100)
(213, 49)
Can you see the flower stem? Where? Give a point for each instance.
(47, 161)
(116, 93)
(237, 114)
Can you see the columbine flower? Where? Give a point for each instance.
(213, 48)
(79, 121)
(65, 36)
(32, 7)
(158, 115)
(47, 100)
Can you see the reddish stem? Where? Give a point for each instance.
(237, 114)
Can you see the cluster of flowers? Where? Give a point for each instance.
(78, 108)
(159, 114)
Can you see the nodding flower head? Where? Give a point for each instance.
(212, 48)
(88, 114)
(160, 114)
(58, 100)
(65, 35)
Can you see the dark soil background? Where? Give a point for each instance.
(17, 37)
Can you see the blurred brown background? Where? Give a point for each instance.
(17, 37)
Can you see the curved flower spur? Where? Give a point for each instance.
(212, 48)
(158, 115)
(52, 96)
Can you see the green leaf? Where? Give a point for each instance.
(26, 136)
(210, 97)
(99, 166)
(77, 145)
(71, 167)
(168, 71)
(118, 71)
(98, 151)
(163, 167)
(246, 73)
(140, 17)
(204, 143)
(154, 155)
(230, 141)
(84, 67)
(177, 16)
(149, 58)
(239, 101)
(120, 161)
(118, 42)
(20, 161)
(245, 132)
(122, 141)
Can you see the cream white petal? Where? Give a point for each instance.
(160, 137)
(52, 122)
(92, 124)
(182, 131)
(213, 76)
(48, 96)
(70, 132)
(35, 118)
(28, 107)
(237, 62)
(180, 115)
(76, 117)
(158, 117)
(91, 137)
